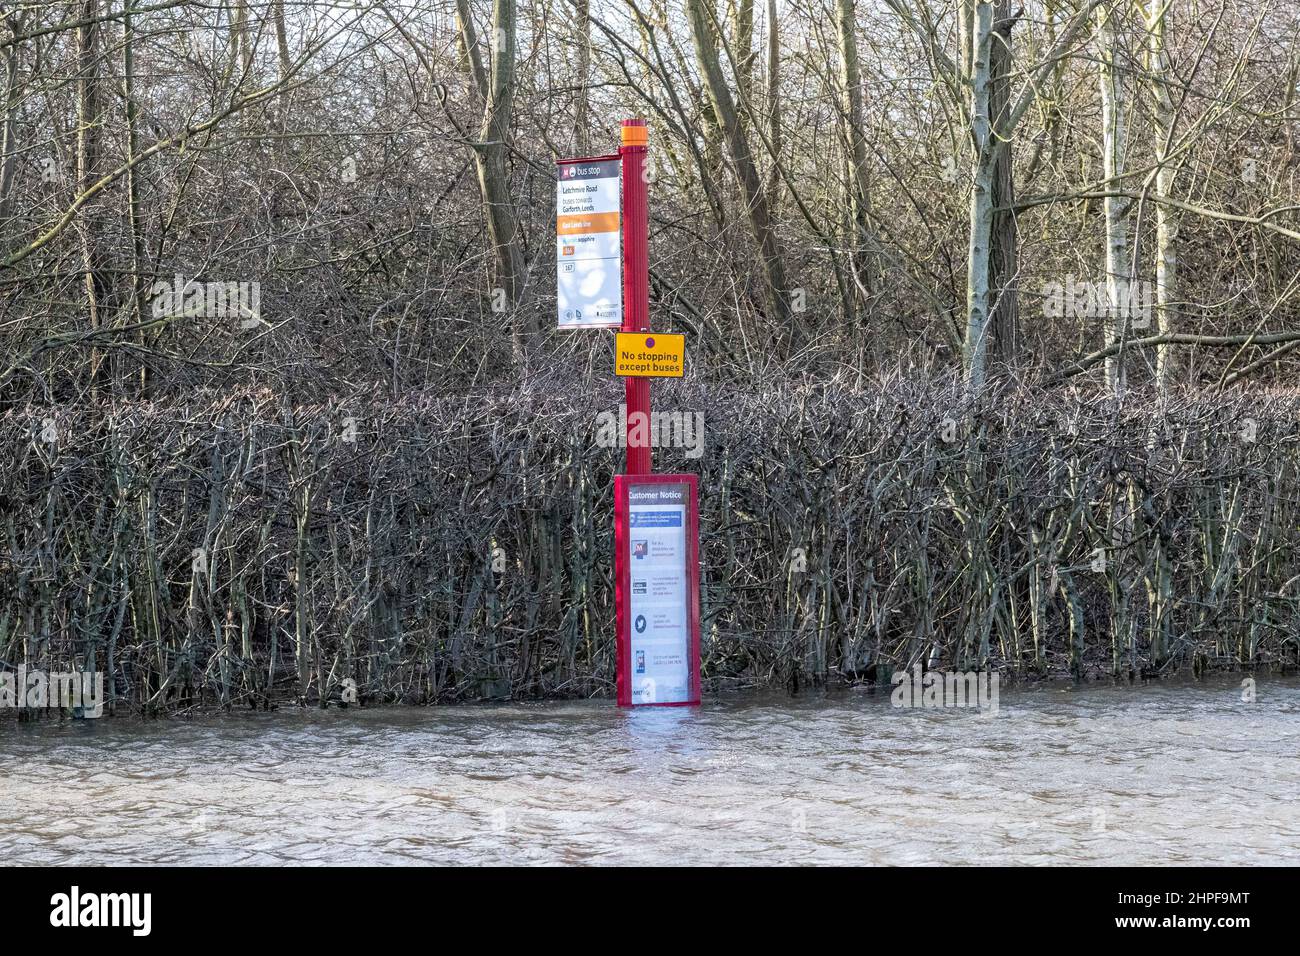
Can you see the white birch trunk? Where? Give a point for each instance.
(975, 346)
(1114, 134)
(1167, 218)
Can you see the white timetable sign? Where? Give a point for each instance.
(588, 257)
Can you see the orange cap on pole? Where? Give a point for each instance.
(634, 132)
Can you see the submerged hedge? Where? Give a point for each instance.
(241, 549)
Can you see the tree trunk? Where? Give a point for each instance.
(742, 45)
(467, 40)
(133, 194)
(1167, 218)
(582, 103)
(773, 103)
(1116, 208)
(966, 37)
(89, 121)
(975, 344)
(496, 86)
(1003, 251)
(281, 38)
(283, 103)
(242, 42)
(9, 127)
(859, 179)
(728, 122)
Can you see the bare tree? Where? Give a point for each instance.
(978, 280)
(742, 160)
(1114, 132)
(987, 149)
(1004, 252)
(89, 134)
(859, 169)
(8, 124)
(496, 88)
(582, 97)
(1167, 217)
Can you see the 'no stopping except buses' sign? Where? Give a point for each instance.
(649, 354)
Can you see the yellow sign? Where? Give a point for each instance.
(649, 354)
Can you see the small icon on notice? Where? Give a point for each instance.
(640, 624)
(566, 250)
(567, 267)
(640, 662)
(639, 587)
(640, 549)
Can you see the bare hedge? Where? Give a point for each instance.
(241, 549)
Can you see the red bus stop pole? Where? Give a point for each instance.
(636, 283)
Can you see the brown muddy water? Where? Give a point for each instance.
(1162, 773)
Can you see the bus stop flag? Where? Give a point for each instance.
(588, 254)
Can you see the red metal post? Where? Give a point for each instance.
(636, 287)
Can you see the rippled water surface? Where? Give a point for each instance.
(1155, 774)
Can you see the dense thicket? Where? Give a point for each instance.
(238, 549)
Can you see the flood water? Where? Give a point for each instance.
(1163, 773)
